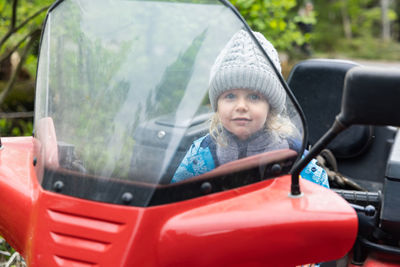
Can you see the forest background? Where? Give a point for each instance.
(299, 29)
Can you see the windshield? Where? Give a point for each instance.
(127, 92)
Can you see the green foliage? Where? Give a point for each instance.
(31, 64)
(276, 19)
(6, 250)
(25, 9)
(364, 20)
(15, 127)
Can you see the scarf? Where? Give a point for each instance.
(259, 142)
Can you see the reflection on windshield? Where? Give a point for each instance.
(162, 92)
(250, 109)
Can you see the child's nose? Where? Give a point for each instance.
(241, 104)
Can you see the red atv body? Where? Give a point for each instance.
(119, 99)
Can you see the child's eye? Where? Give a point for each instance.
(254, 97)
(230, 96)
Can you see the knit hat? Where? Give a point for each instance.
(241, 65)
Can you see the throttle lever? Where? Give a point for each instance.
(368, 210)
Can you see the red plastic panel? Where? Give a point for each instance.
(256, 225)
(265, 227)
(18, 188)
(75, 232)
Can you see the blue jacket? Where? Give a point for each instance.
(200, 159)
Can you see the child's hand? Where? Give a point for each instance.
(307, 265)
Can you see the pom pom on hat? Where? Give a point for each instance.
(241, 65)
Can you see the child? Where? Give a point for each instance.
(250, 105)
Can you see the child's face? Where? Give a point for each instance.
(242, 112)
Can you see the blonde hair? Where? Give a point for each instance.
(278, 124)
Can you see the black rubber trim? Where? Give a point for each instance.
(380, 247)
(143, 195)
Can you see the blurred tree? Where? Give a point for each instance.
(396, 26)
(349, 19)
(385, 20)
(19, 32)
(306, 19)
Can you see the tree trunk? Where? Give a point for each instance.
(385, 20)
(34, 36)
(346, 21)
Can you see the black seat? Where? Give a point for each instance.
(317, 85)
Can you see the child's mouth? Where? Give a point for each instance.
(241, 119)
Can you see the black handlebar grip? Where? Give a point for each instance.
(361, 198)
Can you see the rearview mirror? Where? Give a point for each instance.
(369, 98)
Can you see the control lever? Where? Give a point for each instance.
(368, 210)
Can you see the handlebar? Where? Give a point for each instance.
(366, 204)
(360, 198)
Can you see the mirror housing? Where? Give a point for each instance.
(369, 97)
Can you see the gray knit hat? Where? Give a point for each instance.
(241, 65)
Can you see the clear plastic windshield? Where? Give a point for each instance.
(123, 96)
